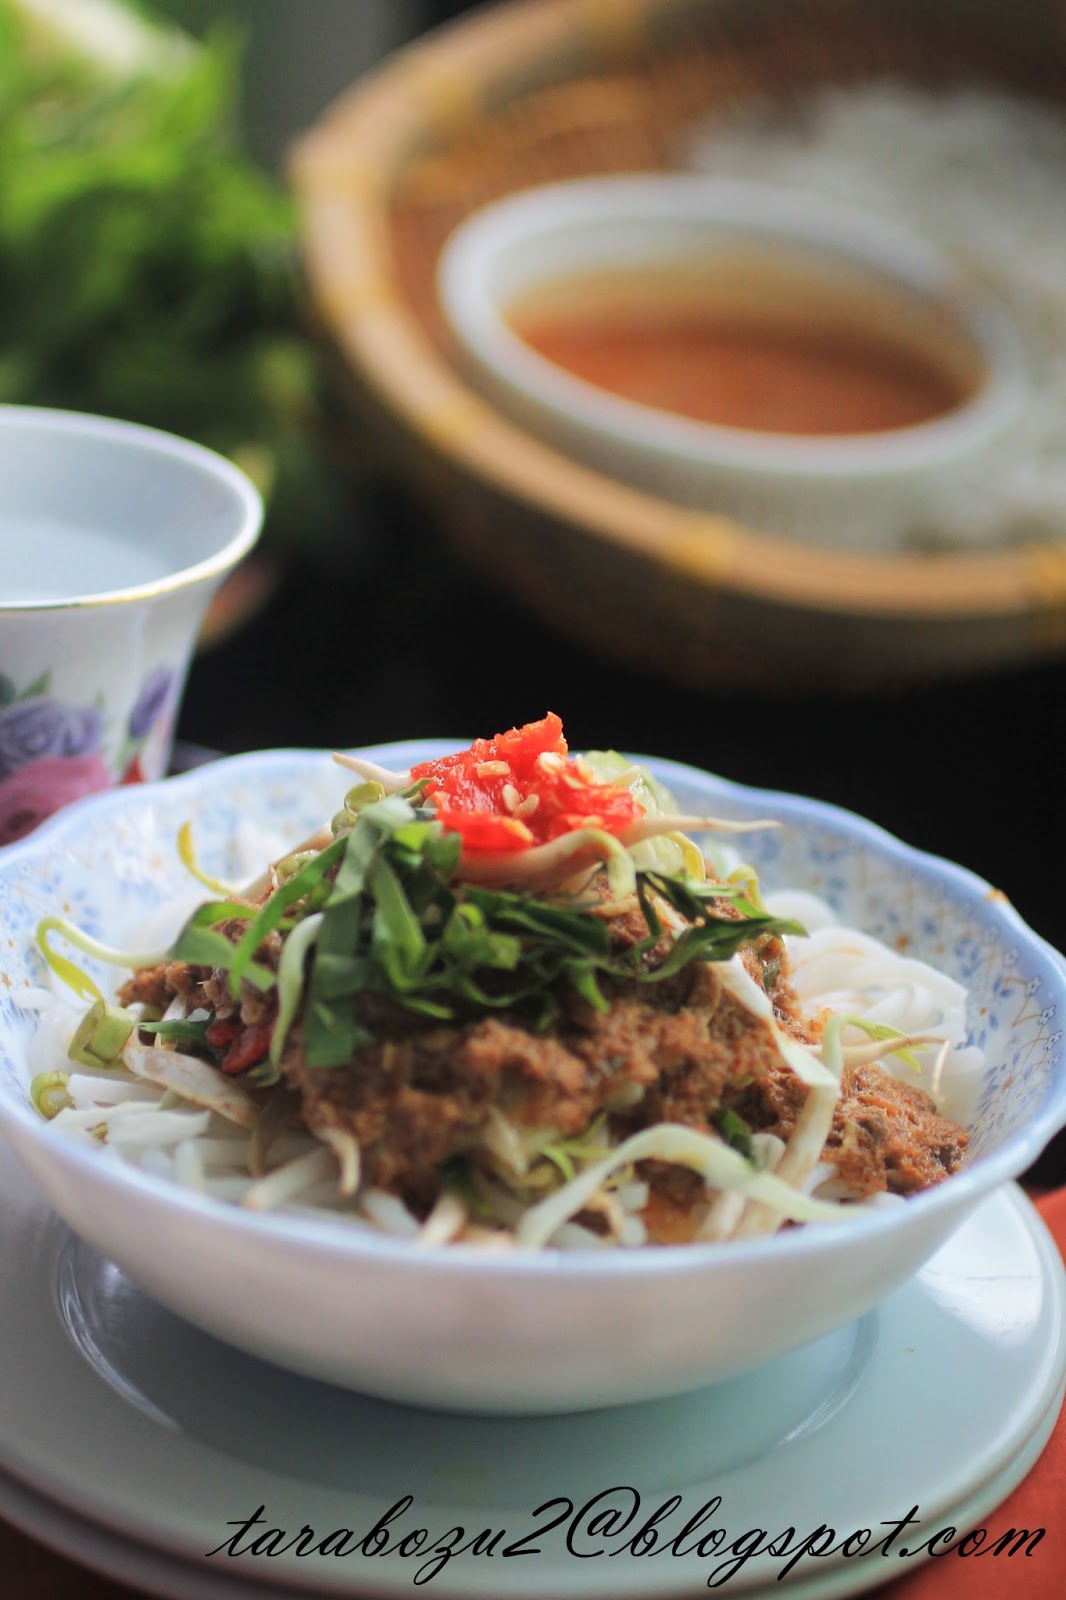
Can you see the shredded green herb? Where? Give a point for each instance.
(378, 912)
(734, 1130)
(178, 1030)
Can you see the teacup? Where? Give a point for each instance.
(113, 539)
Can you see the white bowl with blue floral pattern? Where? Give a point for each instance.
(458, 1329)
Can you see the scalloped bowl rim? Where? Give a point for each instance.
(970, 1184)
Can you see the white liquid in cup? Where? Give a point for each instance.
(44, 561)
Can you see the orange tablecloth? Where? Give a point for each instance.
(1038, 1502)
(30, 1572)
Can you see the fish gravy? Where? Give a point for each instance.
(770, 346)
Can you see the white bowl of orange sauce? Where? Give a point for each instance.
(735, 347)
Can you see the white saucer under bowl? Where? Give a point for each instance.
(133, 1440)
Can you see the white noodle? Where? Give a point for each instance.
(727, 1210)
(189, 1165)
(389, 1213)
(290, 1180)
(100, 1089)
(445, 1221)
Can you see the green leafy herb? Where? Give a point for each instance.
(397, 924)
(267, 918)
(380, 913)
(147, 265)
(291, 981)
(708, 937)
(178, 1030)
(200, 944)
(734, 1130)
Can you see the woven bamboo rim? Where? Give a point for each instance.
(392, 138)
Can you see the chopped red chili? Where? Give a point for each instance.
(520, 789)
(243, 1044)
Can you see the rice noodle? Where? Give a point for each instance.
(274, 1119)
(797, 1161)
(446, 1220)
(346, 1151)
(389, 1213)
(143, 1125)
(717, 1163)
(726, 1211)
(288, 1181)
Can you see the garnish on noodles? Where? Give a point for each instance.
(502, 1001)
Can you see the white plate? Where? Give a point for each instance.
(154, 1433)
(172, 1579)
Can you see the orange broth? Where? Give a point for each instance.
(765, 377)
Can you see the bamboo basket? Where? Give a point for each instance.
(537, 90)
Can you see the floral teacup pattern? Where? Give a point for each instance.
(53, 752)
